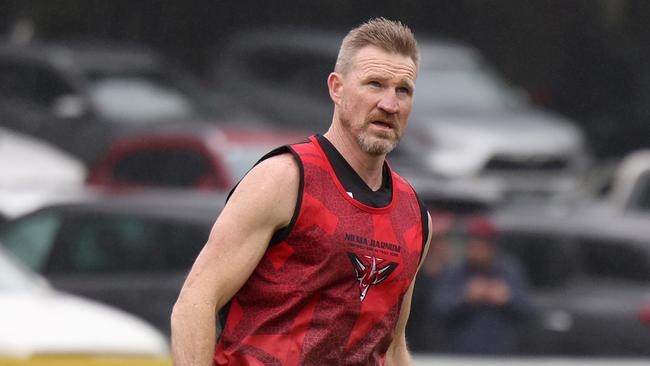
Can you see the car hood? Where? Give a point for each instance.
(27, 163)
(50, 322)
(528, 130)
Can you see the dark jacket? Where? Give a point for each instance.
(481, 328)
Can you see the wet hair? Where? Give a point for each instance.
(388, 35)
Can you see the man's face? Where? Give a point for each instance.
(374, 98)
(480, 253)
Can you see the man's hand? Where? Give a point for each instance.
(476, 291)
(498, 292)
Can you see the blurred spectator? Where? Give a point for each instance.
(481, 299)
(424, 331)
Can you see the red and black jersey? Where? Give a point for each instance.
(329, 289)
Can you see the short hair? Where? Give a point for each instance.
(388, 35)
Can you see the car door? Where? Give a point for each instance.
(610, 296)
(584, 286)
(133, 262)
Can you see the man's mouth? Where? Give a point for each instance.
(383, 124)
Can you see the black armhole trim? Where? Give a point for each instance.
(282, 234)
(425, 224)
(222, 318)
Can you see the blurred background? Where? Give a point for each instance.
(123, 125)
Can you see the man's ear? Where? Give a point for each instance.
(334, 85)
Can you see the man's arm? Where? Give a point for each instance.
(263, 202)
(398, 353)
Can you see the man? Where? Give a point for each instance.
(482, 299)
(315, 253)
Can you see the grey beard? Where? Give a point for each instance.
(377, 147)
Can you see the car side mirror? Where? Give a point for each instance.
(69, 106)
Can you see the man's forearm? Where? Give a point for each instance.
(193, 336)
(398, 355)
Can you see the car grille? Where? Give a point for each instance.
(526, 163)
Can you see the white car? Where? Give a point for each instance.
(34, 172)
(41, 326)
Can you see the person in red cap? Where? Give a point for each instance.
(482, 298)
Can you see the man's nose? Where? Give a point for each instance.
(389, 103)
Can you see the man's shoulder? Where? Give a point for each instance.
(272, 186)
(282, 165)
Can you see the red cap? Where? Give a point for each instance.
(480, 227)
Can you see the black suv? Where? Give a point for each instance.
(80, 96)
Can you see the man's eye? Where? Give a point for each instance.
(404, 90)
(374, 83)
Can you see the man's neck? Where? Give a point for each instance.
(368, 166)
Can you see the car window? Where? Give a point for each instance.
(163, 167)
(104, 243)
(548, 261)
(16, 81)
(300, 72)
(183, 243)
(143, 96)
(473, 89)
(30, 82)
(644, 198)
(31, 238)
(14, 276)
(615, 259)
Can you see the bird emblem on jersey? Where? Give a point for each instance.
(370, 271)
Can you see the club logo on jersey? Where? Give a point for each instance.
(370, 271)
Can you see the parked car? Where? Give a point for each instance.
(81, 95)
(207, 158)
(591, 276)
(41, 326)
(468, 124)
(589, 261)
(34, 172)
(630, 185)
(210, 158)
(131, 251)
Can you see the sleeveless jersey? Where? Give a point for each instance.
(329, 292)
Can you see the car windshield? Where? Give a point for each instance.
(141, 96)
(474, 89)
(13, 277)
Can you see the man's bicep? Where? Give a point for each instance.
(262, 203)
